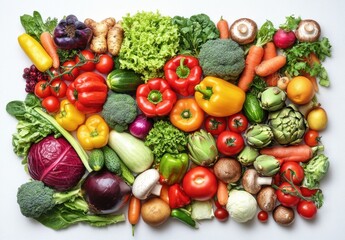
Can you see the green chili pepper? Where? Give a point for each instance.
(184, 216)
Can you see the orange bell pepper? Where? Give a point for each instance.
(186, 115)
(94, 133)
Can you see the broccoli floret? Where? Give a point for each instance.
(35, 199)
(222, 58)
(119, 111)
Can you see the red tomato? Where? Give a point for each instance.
(55, 72)
(263, 216)
(42, 89)
(238, 123)
(292, 171)
(312, 138)
(105, 64)
(51, 104)
(58, 88)
(200, 183)
(230, 143)
(306, 192)
(89, 66)
(67, 66)
(215, 125)
(285, 195)
(221, 214)
(306, 209)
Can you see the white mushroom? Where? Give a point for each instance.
(146, 183)
(308, 31)
(252, 182)
(243, 31)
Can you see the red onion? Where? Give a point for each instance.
(141, 126)
(283, 39)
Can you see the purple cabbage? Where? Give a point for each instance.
(55, 162)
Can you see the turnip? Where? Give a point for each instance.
(285, 36)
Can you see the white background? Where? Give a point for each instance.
(330, 14)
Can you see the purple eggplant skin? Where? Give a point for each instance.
(70, 33)
(105, 192)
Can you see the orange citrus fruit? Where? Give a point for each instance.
(300, 90)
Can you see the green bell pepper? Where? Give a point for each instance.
(173, 167)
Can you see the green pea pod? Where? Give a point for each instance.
(184, 216)
(173, 167)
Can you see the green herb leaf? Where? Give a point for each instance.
(265, 33)
(290, 24)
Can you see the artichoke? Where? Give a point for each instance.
(266, 165)
(258, 135)
(202, 148)
(248, 155)
(288, 125)
(272, 99)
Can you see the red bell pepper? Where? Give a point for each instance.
(183, 73)
(177, 197)
(155, 98)
(88, 92)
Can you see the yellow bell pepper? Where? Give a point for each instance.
(35, 51)
(69, 117)
(94, 133)
(218, 97)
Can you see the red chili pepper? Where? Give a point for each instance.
(88, 92)
(155, 98)
(177, 197)
(183, 73)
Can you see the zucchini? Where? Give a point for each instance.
(122, 80)
(252, 109)
(96, 160)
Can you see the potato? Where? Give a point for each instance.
(155, 211)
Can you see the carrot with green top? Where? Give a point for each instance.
(223, 28)
(255, 55)
(134, 211)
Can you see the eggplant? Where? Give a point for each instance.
(105, 192)
(70, 33)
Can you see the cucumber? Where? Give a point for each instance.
(252, 109)
(96, 160)
(111, 160)
(114, 164)
(122, 80)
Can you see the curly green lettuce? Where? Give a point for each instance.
(150, 40)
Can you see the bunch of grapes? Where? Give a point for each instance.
(32, 75)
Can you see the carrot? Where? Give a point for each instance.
(222, 193)
(49, 45)
(253, 59)
(312, 80)
(164, 194)
(270, 66)
(134, 212)
(270, 51)
(297, 153)
(272, 79)
(223, 28)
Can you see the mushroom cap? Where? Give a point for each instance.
(267, 199)
(228, 170)
(249, 181)
(145, 183)
(308, 30)
(284, 216)
(243, 31)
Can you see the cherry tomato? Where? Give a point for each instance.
(312, 138)
(263, 216)
(58, 88)
(238, 123)
(306, 192)
(306, 209)
(292, 171)
(105, 64)
(200, 183)
(51, 104)
(230, 143)
(42, 89)
(221, 214)
(67, 66)
(89, 66)
(55, 72)
(215, 125)
(286, 195)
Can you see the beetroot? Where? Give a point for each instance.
(55, 162)
(284, 39)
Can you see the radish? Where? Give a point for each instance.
(285, 37)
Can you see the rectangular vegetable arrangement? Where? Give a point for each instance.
(183, 117)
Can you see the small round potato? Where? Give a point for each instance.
(155, 211)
